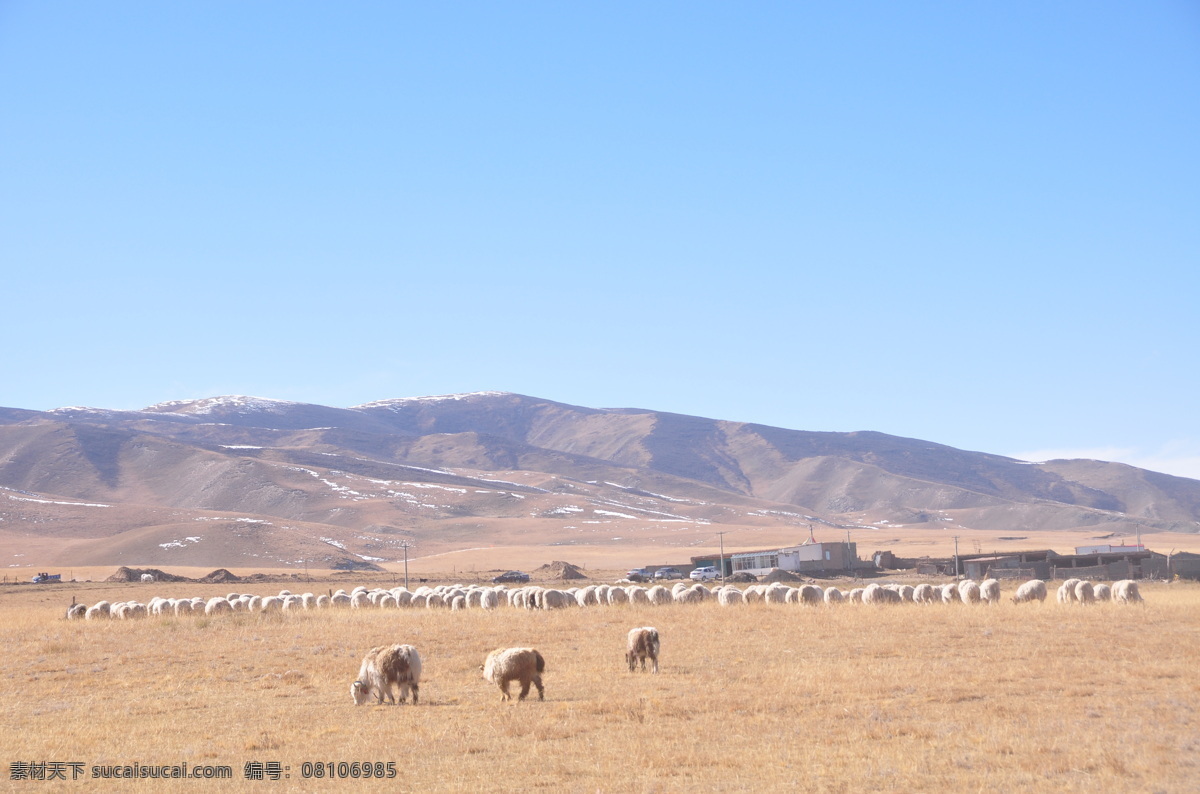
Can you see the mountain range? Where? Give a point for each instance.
(246, 481)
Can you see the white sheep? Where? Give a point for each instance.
(642, 644)
(216, 605)
(1033, 590)
(811, 595)
(659, 595)
(834, 596)
(525, 665)
(949, 593)
(729, 595)
(637, 594)
(1084, 592)
(1066, 591)
(386, 667)
(989, 591)
(617, 595)
(1101, 591)
(887, 595)
(925, 594)
(968, 591)
(1126, 592)
(77, 612)
(586, 596)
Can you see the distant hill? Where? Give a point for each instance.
(232, 481)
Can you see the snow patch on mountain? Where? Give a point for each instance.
(400, 402)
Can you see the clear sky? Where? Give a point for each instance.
(972, 223)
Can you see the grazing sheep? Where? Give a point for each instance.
(490, 599)
(556, 599)
(1126, 592)
(1101, 591)
(183, 607)
(659, 595)
(132, 610)
(925, 594)
(617, 595)
(968, 591)
(643, 644)
(874, 594)
(147, 577)
(1033, 590)
(385, 667)
(729, 595)
(216, 605)
(811, 595)
(526, 665)
(1066, 591)
(586, 596)
(949, 593)
(855, 595)
(834, 596)
(1085, 593)
(637, 594)
(989, 591)
(76, 611)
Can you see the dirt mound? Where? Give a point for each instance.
(220, 575)
(124, 574)
(741, 576)
(561, 570)
(779, 575)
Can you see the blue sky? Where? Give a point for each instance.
(972, 223)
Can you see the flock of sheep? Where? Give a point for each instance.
(388, 670)
(459, 596)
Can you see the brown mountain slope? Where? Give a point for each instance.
(292, 482)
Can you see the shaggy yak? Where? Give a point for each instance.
(385, 667)
(643, 644)
(525, 665)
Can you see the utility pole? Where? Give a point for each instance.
(404, 544)
(721, 535)
(956, 556)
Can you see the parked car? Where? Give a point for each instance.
(667, 573)
(705, 574)
(639, 575)
(511, 576)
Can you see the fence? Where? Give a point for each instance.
(1012, 573)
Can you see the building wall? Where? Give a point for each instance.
(811, 557)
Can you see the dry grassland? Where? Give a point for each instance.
(755, 698)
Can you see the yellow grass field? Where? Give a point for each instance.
(906, 698)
